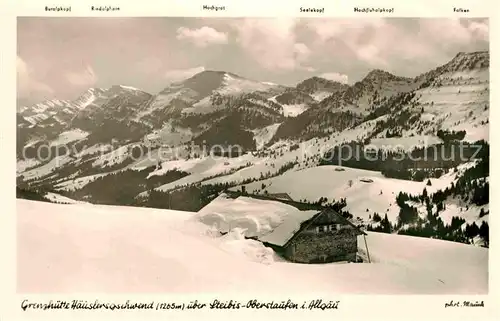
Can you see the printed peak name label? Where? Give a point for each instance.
(312, 10)
(104, 8)
(58, 8)
(214, 8)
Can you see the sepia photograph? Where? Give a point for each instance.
(233, 155)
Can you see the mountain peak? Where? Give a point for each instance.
(128, 87)
(382, 75)
(379, 73)
(317, 83)
(473, 53)
(461, 62)
(210, 73)
(94, 91)
(469, 60)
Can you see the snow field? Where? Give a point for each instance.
(90, 248)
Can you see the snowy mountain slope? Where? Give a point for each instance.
(359, 98)
(263, 135)
(120, 105)
(46, 169)
(306, 94)
(462, 85)
(65, 251)
(202, 169)
(194, 95)
(453, 96)
(96, 108)
(76, 183)
(69, 136)
(366, 192)
(25, 164)
(42, 111)
(62, 111)
(320, 88)
(294, 102)
(59, 199)
(459, 101)
(338, 112)
(117, 114)
(168, 135)
(307, 154)
(292, 110)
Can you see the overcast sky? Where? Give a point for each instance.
(62, 57)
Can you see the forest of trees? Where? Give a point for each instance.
(418, 165)
(432, 226)
(187, 198)
(121, 187)
(314, 122)
(386, 106)
(470, 189)
(409, 222)
(33, 195)
(448, 136)
(227, 132)
(193, 197)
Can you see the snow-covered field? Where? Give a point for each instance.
(57, 198)
(46, 168)
(366, 192)
(168, 135)
(320, 95)
(201, 168)
(114, 157)
(461, 102)
(90, 248)
(312, 149)
(264, 135)
(403, 144)
(25, 164)
(77, 183)
(294, 110)
(69, 136)
(95, 149)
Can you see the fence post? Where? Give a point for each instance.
(367, 252)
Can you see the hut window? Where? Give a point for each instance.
(321, 229)
(334, 227)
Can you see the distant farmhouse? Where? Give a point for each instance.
(280, 196)
(299, 232)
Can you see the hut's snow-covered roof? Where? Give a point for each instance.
(269, 221)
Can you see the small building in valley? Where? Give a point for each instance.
(299, 232)
(280, 196)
